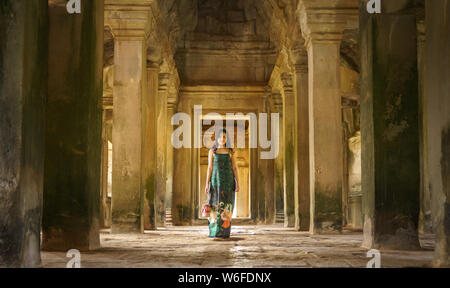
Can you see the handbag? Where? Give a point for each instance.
(206, 209)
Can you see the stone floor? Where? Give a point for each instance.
(249, 246)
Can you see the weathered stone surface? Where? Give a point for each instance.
(438, 122)
(302, 197)
(389, 124)
(23, 89)
(73, 128)
(129, 92)
(289, 152)
(250, 246)
(150, 144)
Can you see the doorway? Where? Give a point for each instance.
(242, 209)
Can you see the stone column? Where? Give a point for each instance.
(289, 110)
(425, 221)
(104, 173)
(182, 192)
(150, 144)
(302, 197)
(131, 173)
(389, 129)
(438, 123)
(73, 128)
(161, 148)
(268, 172)
(170, 155)
(323, 23)
(23, 90)
(278, 165)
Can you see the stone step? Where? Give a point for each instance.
(279, 218)
(169, 217)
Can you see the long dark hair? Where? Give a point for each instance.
(216, 141)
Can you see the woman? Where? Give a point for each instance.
(221, 182)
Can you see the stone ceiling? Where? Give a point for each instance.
(236, 27)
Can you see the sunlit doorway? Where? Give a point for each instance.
(242, 207)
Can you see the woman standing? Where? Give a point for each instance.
(221, 182)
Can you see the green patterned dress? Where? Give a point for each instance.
(221, 196)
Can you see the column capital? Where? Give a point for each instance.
(278, 102)
(299, 57)
(324, 21)
(286, 80)
(172, 100)
(421, 31)
(129, 19)
(152, 66)
(164, 82)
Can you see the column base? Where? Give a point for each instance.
(401, 239)
(60, 240)
(289, 221)
(425, 223)
(326, 227)
(303, 225)
(128, 225)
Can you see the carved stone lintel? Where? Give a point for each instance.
(286, 79)
(164, 82)
(421, 31)
(324, 21)
(152, 66)
(301, 68)
(130, 20)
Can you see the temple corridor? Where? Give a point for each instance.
(340, 117)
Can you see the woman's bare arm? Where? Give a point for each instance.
(235, 170)
(209, 172)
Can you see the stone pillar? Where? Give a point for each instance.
(278, 165)
(170, 153)
(289, 110)
(425, 221)
(438, 122)
(268, 172)
(182, 192)
(302, 197)
(104, 172)
(128, 124)
(150, 146)
(389, 130)
(73, 128)
(323, 23)
(131, 158)
(23, 90)
(161, 148)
